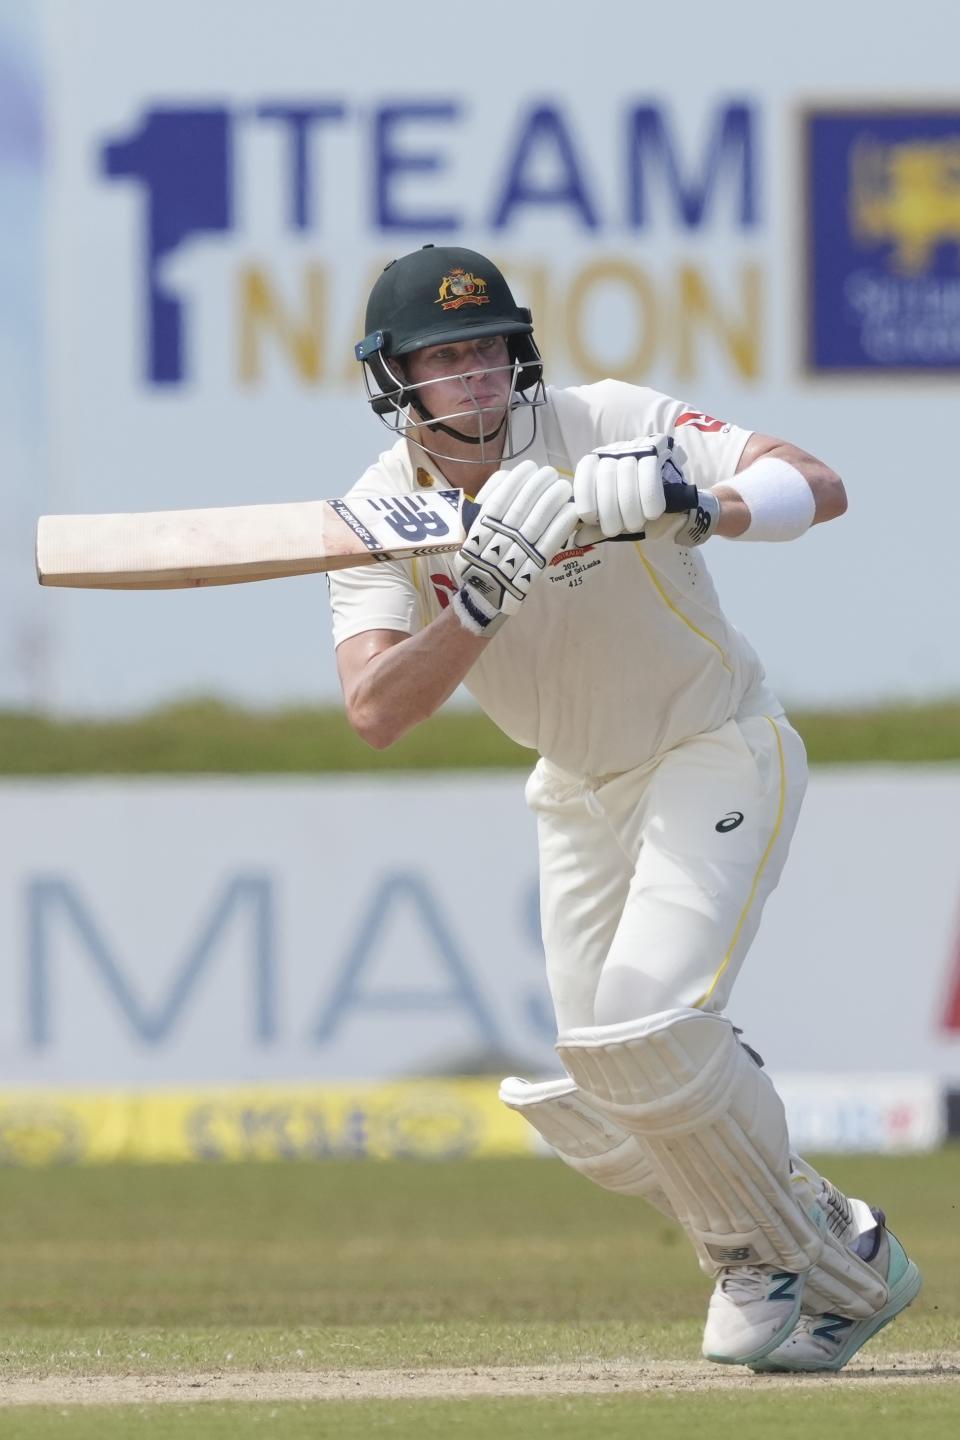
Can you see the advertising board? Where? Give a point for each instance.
(211, 932)
(201, 316)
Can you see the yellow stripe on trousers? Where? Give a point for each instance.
(760, 869)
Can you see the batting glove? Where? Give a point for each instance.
(619, 488)
(526, 516)
(692, 527)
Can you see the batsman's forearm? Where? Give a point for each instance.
(734, 513)
(409, 682)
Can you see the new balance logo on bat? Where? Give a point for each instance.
(413, 517)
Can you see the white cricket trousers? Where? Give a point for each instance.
(652, 882)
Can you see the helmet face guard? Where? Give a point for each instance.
(442, 295)
(406, 408)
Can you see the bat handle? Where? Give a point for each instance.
(680, 497)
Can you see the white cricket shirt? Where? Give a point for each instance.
(621, 650)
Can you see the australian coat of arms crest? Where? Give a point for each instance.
(460, 287)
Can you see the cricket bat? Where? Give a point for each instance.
(183, 549)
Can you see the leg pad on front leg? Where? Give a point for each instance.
(586, 1139)
(714, 1126)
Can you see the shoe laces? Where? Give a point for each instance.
(744, 1282)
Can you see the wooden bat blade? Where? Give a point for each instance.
(188, 549)
(180, 549)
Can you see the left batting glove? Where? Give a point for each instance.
(620, 488)
(526, 515)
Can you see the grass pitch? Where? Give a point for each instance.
(400, 1268)
(213, 738)
(890, 1415)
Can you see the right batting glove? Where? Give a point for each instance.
(620, 486)
(526, 516)
(631, 487)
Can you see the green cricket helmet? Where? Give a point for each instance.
(433, 296)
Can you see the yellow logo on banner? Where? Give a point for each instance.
(907, 194)
(45, 1132)
(407, 1119)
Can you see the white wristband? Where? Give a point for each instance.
(780, 501)
(475, 612)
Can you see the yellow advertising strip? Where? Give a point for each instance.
(410, 1119)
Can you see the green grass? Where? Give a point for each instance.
(299, 1266)
(207, 737)
(344, 1265)
(885, 1413)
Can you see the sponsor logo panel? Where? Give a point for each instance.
(244, 246)
(410, 1120)
(883, 243)
(706, 423)
(417, 1119)
(881, 1113)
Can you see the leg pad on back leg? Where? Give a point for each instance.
(716, 1131)
(597, 1147)
(585, 1138)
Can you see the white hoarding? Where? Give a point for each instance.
(225, 182)
(225, 931)
(891, 1112)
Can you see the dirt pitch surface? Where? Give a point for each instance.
(600, 1379)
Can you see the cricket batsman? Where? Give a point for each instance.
(669, 780)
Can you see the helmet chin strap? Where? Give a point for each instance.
(468, 439)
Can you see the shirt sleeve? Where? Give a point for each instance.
(612, 410)
(372, 597)
(710, 448)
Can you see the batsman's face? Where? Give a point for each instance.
(470, 379)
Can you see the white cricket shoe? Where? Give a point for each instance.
(753, 1309)
(828, 1342)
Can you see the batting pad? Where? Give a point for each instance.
(602, 1151)
(716, 1131)
(585, 1139)
(841, 1282)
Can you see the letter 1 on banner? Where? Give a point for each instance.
(181, 200)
